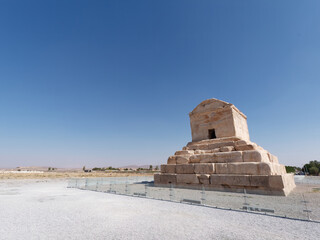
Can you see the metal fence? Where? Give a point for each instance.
(302, 204)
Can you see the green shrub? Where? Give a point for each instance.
(290, 169)
(314, 171)
(312, 168)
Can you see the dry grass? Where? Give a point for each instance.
(52, 175)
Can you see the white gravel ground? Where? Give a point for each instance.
(33, 209)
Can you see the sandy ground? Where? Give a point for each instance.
(46, 209)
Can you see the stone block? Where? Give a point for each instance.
(276, 182)
(199, 151)
(273, 158)
(214, 150)
(266, 169)
(237, 168)
(182, 159)
(278, 169)
(157, 177)
(249, 168)
(185, 168)
(168, 178)
(221, 168)
(172, 160)
(187, 178)
(163, 168)
(227, 149)
(195, 158)
(246, 147)
(229, 180)
(206, 157)
(246, 168)
(272, 169)
(184, 152)
(198, 147)
(238, 180)
(214, 140)
(219, 157)
(207, 151)
(203, 158)
(241, 142)
(255, 156)
(204, 168)
(281, 181)
(259, 180)
(203, 145)
(168, 168)
(220, 144)
(226, 139)
(204, 178)
(223, 157)
(288, 179)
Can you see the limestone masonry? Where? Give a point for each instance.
(221, 156)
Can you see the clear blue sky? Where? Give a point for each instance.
(102, 83)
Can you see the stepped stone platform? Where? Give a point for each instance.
(221, 156)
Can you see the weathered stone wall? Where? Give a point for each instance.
(240, 123)
(219, 119)
(226, 119)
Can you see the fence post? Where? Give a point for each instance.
(86, 184)
(110, 187)
(306, 210)
(97, 184)
(203, 195)
(126, 189)
(171, 194)
(245, 204)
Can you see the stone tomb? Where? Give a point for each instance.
(222, 157)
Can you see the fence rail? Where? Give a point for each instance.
(302, 204)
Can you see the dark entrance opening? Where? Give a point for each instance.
(212, 134)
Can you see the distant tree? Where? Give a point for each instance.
(150, 167)
(313, 168)
(97, 169)
(157, 168)
(49, 168)
(291, 169)
(84, 168)
(314, 171)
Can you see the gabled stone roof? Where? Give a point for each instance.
(213, 104)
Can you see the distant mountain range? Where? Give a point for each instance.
(35, 168)
(136, 166)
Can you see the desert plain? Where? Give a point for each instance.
(41, 206)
